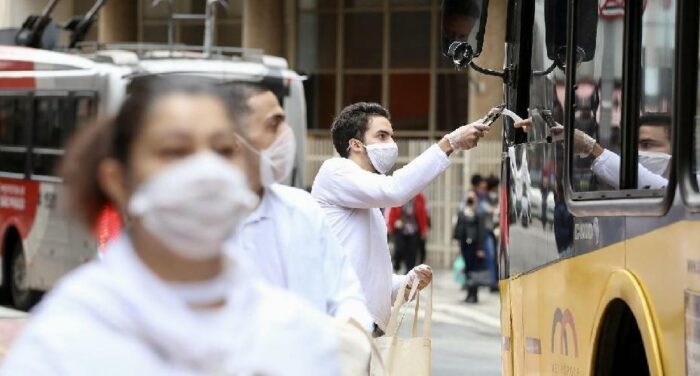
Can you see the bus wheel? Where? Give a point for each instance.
(22, 296)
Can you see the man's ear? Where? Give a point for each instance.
(112, 180)
(354, 145)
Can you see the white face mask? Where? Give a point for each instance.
(277, 161)
(383, 155)
(194, 205)
(655, 161)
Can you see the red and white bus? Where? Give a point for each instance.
(44, 97)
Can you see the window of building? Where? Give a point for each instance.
(363, 40)
(387, 51)
(153, 25)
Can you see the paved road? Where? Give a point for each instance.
(466, 339)
(11, 322)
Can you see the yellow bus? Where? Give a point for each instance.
(600, 209)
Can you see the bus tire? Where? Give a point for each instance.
(23, 297)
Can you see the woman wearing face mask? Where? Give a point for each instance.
(654, 152)
(165, 299)
(470, 232)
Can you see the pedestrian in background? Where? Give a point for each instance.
(165, 299)
(485, 208)
(469, 233)
(408, 226)
(287, 236)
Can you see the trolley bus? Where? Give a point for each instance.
(46, 95)
(599, 260)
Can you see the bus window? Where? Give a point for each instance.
(55, 119)
(14, 117)
(656, 94)
(597, 105)
(83, 110)
(696, 134)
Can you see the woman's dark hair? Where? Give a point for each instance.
(352, 123)
(476, 180)
(114, 138)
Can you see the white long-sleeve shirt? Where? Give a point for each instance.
(607, 168)
(289, 241)
(352, 197)
(115, 317)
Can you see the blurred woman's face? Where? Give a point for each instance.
(178, 126)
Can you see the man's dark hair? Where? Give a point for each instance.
(476, 180)
(657, 119)
(468, 8)
(238, 94)
(352, 123)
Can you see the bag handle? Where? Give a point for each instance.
(395, 323)
(427, 319)
(373, 346)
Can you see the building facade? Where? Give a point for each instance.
(385, 51)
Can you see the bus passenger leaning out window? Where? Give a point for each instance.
(654, 152)
(166, 299)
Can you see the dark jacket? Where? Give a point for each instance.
(470, 231)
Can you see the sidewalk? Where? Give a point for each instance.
(466, 338)
(11, 323)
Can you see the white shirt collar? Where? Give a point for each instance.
(264, 209)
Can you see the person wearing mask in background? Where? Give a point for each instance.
(485, 209)
(352, 188)
(469, 233)
(287, 236)
(654, 147)
(408, 224)
(165, 299)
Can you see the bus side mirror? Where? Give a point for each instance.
(555, 17)
(462, 29)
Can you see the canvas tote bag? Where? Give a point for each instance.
(405, 356)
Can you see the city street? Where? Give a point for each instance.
(465, 338)
(11, 322)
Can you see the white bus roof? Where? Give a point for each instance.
(153, 62)
(42, 59)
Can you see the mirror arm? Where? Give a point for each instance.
(488, 72)
(547, 71)
(507, 74)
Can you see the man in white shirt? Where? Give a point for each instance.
(287, 237)
(352, 189)
(654, 147)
